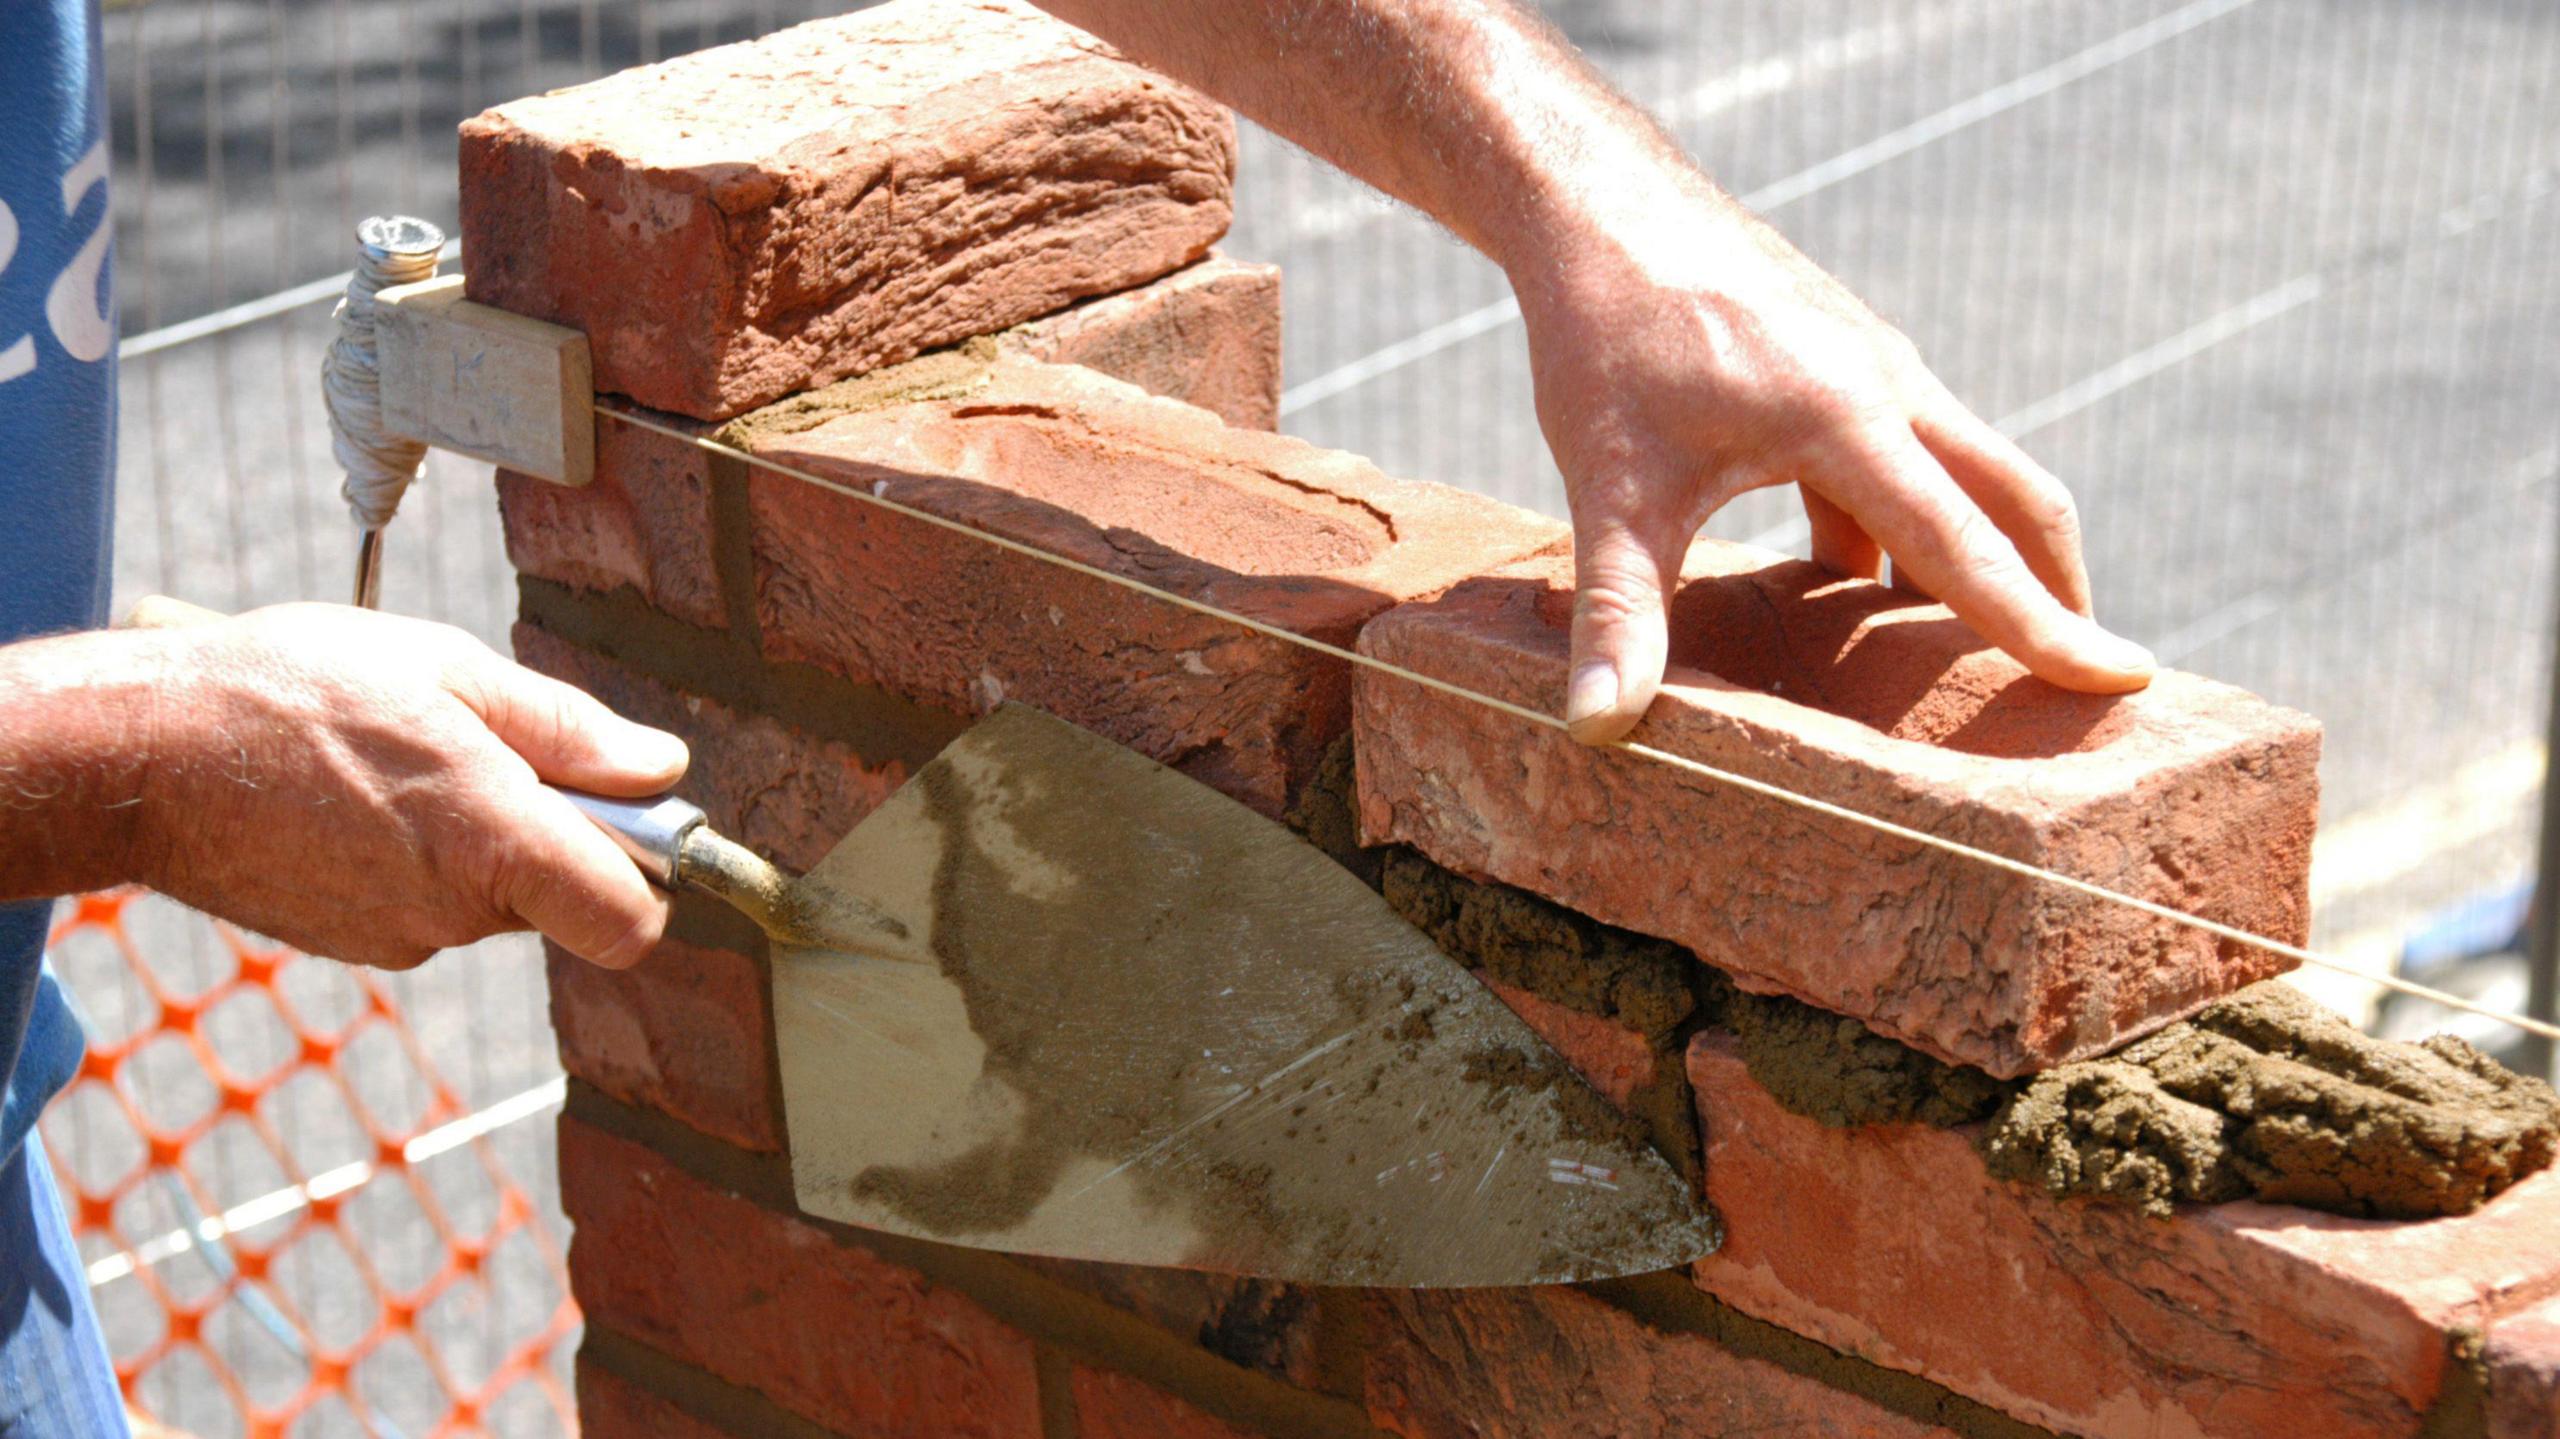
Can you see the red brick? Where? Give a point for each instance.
(1616, 1060)
(827, 1331)
(1115, 1406)
(1553, 1364)
(1079, 465)
(643, 522)
(685, 1031)
(2190, 793)
(781, 792)
(2523, 1360)
(744, 222)
(1892, 1243)
(1208, 336)
(610, 1407)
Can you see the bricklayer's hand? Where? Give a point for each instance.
(1691, 355)
(369, 787)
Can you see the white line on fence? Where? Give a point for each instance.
(328, 1183)
(2230, 323)
(248, 312)
(1353, 204)
(2168, 354)
(1846, 165)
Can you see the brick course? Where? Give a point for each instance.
(1310, 540)
(737, 224)
(2191, 793)
(686, 1030)
(830, 1332)
(1891, 1243)
(1208, 335)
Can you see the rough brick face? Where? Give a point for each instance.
(1553, 1364)
(830, 1332)
(1207, 336)
(2522, 1358)
(2244, 1319)
(685, 1031)
(644, 522)
(740, 223)
(1082, 466)
(2192, 794)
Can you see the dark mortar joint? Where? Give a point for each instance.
(879, 724)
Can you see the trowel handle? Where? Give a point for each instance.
(651, 830)
(669, 840)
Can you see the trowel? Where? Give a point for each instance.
(1055, 998)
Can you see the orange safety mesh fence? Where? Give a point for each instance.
(294, 1225)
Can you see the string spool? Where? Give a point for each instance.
(379, 467)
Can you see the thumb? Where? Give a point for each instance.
(1621, 635)
(566, 734)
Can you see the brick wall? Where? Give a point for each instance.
(959, 255)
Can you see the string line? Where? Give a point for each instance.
(1650, 753)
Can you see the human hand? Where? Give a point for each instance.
(1690, 355)
(370, 787)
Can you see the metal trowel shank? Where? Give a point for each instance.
(1059, 999)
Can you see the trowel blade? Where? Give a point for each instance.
(1077, 1004)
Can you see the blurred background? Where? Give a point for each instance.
(2270, 283)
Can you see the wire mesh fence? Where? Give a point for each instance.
(2267, 281)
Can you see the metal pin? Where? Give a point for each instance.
(369, 570)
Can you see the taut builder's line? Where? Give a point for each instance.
(1703, 770)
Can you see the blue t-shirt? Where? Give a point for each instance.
(57, 435)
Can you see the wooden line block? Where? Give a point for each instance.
(483, 382)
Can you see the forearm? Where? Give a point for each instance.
(76, 720)
(1475, 111)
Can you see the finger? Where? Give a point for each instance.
(566, 734)
(562, 876)
(1938, 535)
(2019, 496)
(1840, 544)
(1621, 633)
